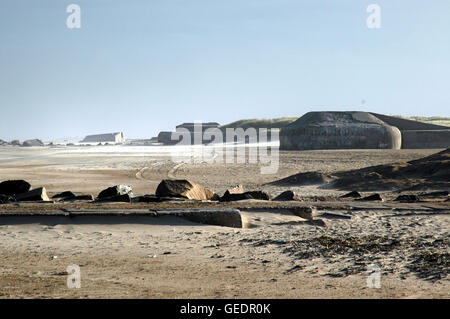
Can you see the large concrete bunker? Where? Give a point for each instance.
(339, 130)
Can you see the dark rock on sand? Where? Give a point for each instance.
(261, 195)
(2, 142)
(84, 197)
(407, 199)
(125, 198)
(38, 194)
(238, 189)
(185, 189)
(65, 195)
(147, 199)
(374, 197)
(14, 187)
(115, 191)
(353, 194)
(286, 196)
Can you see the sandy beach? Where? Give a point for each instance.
(277, 255)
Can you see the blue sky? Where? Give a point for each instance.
(144, 66)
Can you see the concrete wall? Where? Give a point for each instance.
(426, 139)
(348, 136)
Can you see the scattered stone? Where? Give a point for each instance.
(238, 189)
(261, 195)
(308, 212)
(115, 191)
(14, 187)
(38, 194)
(125, 198)
(374, 197)
(407, 199)
(183, 188)
(65, 195)
(35, 142)
(286, 196)
(353, 194)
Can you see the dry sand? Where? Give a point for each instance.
(280, 256)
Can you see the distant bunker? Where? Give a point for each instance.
(339, 130)
(109, 137)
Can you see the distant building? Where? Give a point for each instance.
(196, 129)
(100, 138)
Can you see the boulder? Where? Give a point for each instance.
(34, 142)
(16, 142)
(14, 187)
(353, 194)
(65, 195)
(238, 189)
(247, 195)
(38, 194)
(124, 198)
(183, 188)
(84, 197)
(2, 142)
(407, 199)
(286, 196)
(374, 197)
(114, 191)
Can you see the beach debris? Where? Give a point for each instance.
(13, 187)
(183, 188)
(407, 199)
(373, 197)
(115, 191)
(353, 194)
(287, 196)
(38, 194)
